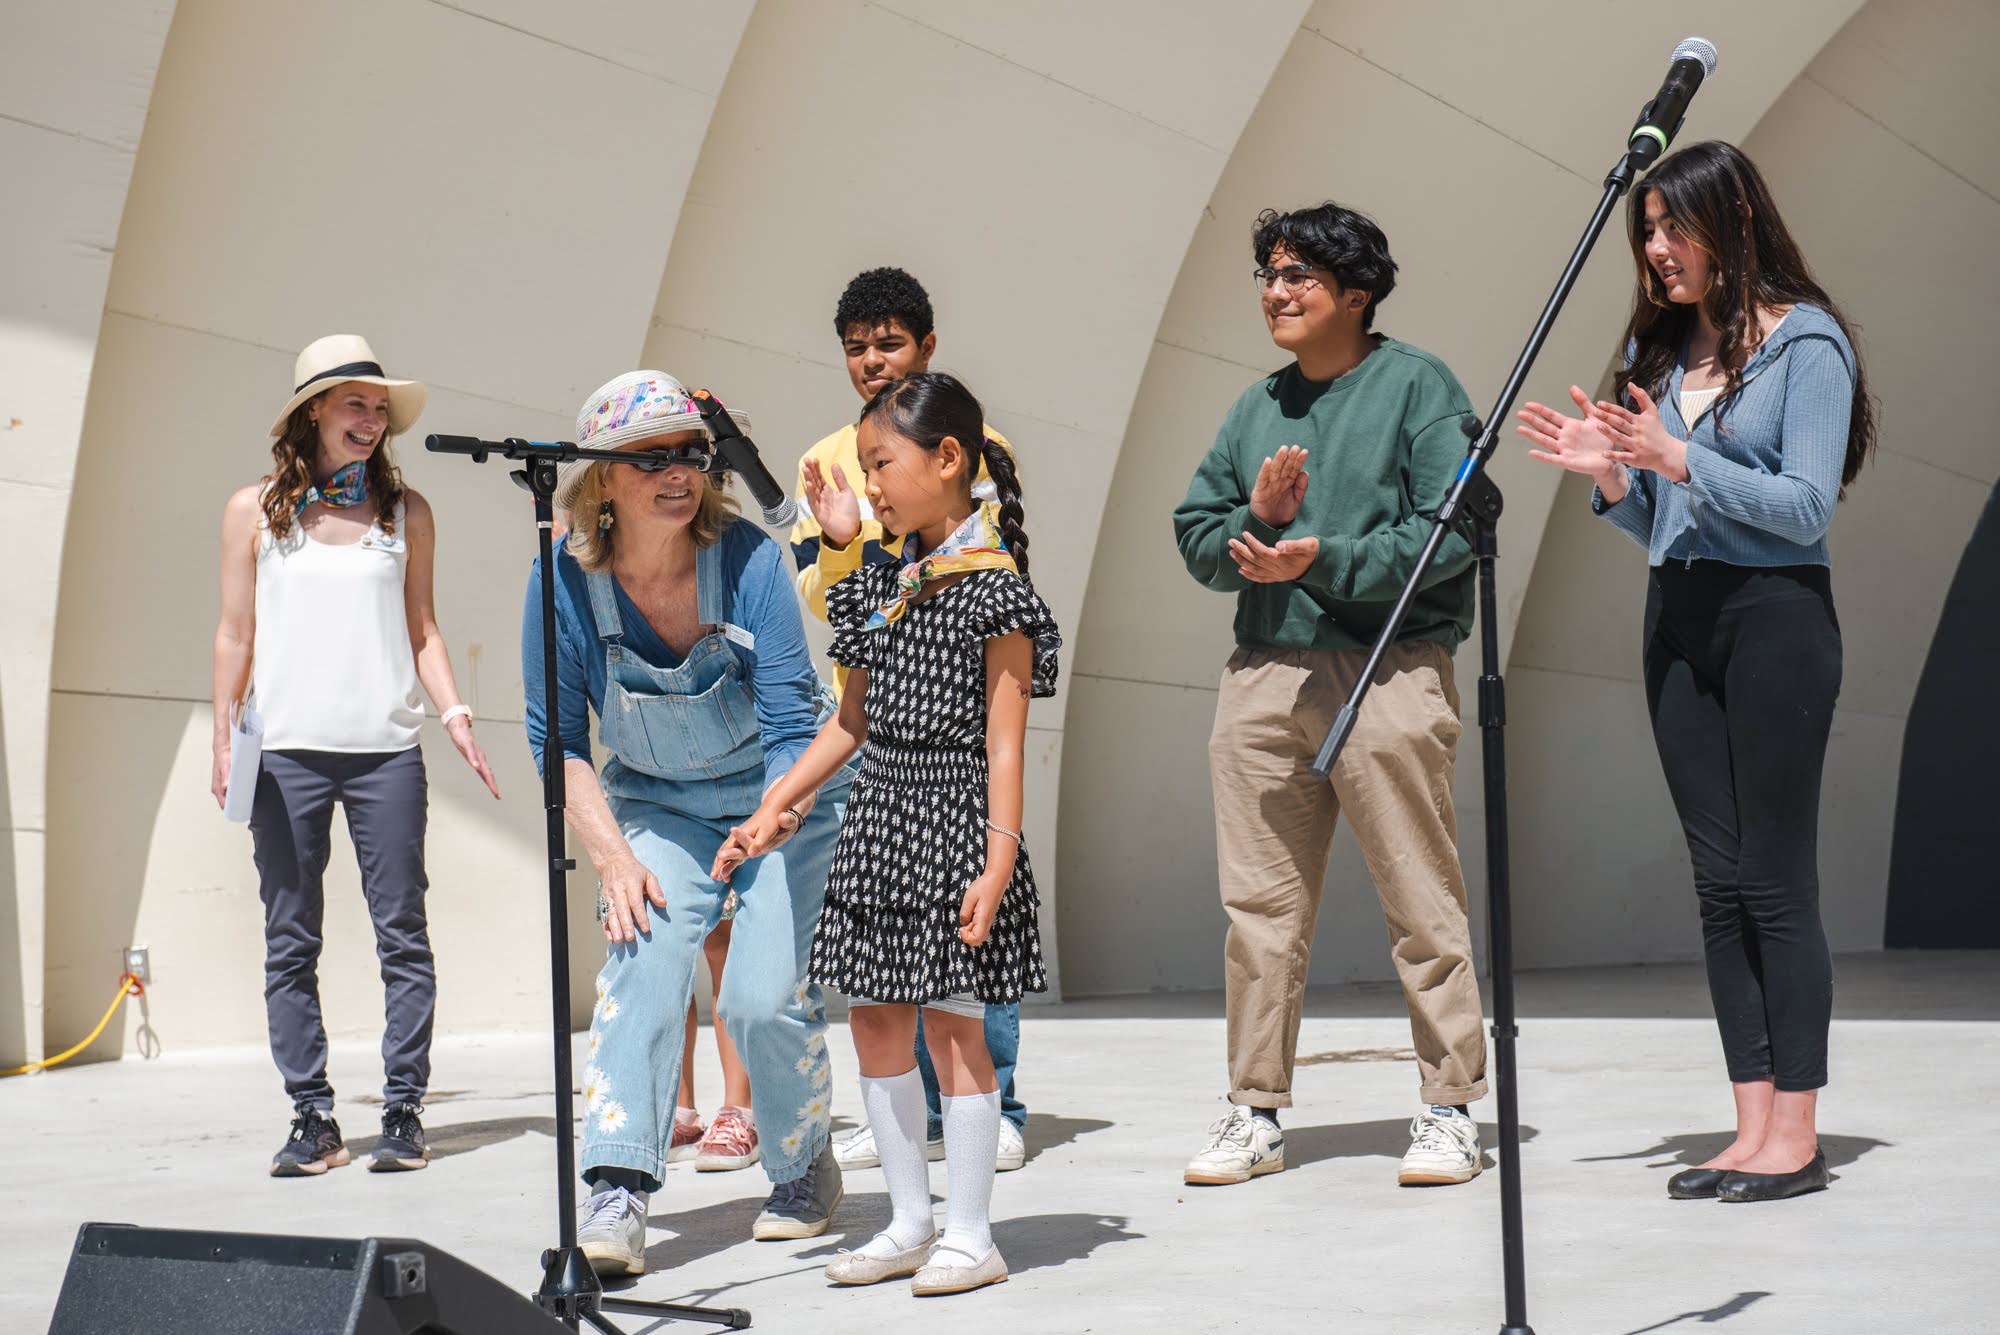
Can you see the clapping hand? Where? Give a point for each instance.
(1280, 487)
(1262, 564)
(1580, 444)
(833, 503)
(1640, 438)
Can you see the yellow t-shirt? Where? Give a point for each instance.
(822, 566)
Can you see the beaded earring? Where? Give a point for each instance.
(604, 517)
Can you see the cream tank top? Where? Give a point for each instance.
(332, 667)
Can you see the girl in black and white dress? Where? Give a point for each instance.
(931, 903)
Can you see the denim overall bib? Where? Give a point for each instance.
(686, 762)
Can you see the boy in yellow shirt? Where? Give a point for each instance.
(887, 331)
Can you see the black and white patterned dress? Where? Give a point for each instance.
(915, 834)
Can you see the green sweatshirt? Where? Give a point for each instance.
(1382, 444)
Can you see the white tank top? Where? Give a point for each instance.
(333, 669)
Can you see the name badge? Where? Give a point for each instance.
(738, 635)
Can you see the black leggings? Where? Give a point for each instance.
(1742, 669)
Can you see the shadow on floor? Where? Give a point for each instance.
(1039, 1241)
(1699, 1147)
(1047, 1133)
(1370, 1140)
(465, 1137)
(1721, 1312)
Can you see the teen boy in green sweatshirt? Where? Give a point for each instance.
(1311, 508)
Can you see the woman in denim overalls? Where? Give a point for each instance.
(677, 624)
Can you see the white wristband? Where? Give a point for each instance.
(444, 719)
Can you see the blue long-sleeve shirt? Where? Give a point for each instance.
(1761, 487)
(776, 663)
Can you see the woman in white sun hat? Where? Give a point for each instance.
(328, 624)
(677, 625)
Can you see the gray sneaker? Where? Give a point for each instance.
(803, 1207)
(611, 1231)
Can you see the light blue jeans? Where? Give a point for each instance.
(776, 1017)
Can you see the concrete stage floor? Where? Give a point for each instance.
(1621, 1085)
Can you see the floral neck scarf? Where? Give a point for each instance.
(974, 545)
(347, 487)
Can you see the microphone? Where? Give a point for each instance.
(739, 452)
(1660, 119)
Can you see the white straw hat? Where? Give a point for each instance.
(339, 358)
(636, 405)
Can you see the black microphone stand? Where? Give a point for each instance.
(1474, 500)
(570, 1291)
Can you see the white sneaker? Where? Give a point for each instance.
(611, 1231)
(1444, 1148)
(1240, 1146)
(857, 1149)
(1013, 1150)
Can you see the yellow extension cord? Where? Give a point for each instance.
(128, 986)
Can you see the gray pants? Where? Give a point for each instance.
(384, 794)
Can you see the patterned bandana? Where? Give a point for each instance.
(348, 486)
(974, 545)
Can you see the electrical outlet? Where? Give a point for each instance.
(139, 963)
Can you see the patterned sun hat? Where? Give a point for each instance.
(636, 405)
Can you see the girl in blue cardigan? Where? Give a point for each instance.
(1745, 416)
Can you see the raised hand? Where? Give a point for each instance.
(833, 504)
(1640, 438)
(1280, 487)
(1580, 444)
(1262, 564)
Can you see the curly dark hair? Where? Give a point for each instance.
(926, 407)
(1326, 236)
(880, 295)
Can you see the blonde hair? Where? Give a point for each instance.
(592, 546)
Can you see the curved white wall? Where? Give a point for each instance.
(516, 202)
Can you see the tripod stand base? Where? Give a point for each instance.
(570, 1293)
(1516, 1330)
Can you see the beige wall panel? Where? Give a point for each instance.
(494, 206)
(684, 42)
(74, 82)
(161, 868)
(1921, 70)
(1564, 77)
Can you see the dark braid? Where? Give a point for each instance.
(926, 407)
(1007, 481)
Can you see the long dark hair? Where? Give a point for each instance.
(292, 455)
(1718, 199)
(926, 407)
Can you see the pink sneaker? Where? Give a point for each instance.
(731, 1142)
(686, 1143)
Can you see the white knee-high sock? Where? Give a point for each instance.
(971, 1152)
(895, 1108)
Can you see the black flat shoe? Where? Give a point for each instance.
(1696, 1184)
(1775, 1186)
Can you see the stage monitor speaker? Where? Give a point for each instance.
(124, 1280)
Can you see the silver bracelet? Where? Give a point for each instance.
(1015, 835)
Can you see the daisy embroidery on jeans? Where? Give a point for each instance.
(611, 1117)
(793, 1143)
(607, 1009)
(595, 1040)
(813, 1110)
(595, 1087)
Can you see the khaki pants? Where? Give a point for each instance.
(1274, 822)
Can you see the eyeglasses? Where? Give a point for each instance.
(1291, 278)
(701, 457)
